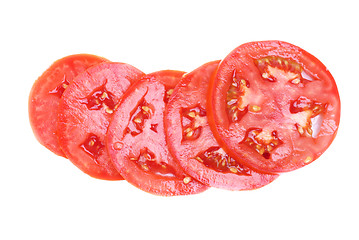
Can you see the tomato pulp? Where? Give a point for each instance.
(273, 106)
(136, 139)
(192, 143)
(46, 93)
(84, 113)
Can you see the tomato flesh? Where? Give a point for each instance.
(136, 139)
(192, 143)
(46, 93)
(85, 110)
(273, 106)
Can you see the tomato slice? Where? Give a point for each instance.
(46, 93)
(192, 143)
(136, 139)
(273, 106)
(84, 113)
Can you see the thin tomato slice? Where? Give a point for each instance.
(84, 113)
(273, 106)
(46, 93)
(192, 143)
(136, 139)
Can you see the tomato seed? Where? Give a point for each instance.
(186, 180)
(117, 145)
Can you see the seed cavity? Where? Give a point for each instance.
(193, 119)
(236, 108)
(303, 111)
(217, 159)
(100, 98)
(142, 112)
(148, 161)
(93, 146)
(59, 90)
(275, 68)
(263, 142)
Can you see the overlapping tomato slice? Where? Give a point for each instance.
(85, 110)
(46, 93)
(192, 143)
(269, 107)
(273, 106)
(136, 138)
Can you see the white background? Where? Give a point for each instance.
(43, 196)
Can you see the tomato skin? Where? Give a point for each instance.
(82, 126)
(140, 151)
(43, 104)
(294, 150)
(191, 93)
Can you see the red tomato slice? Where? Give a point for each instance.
(84, 113)
(136, 139)
(273, 106)
(192, 143)
(46, 93)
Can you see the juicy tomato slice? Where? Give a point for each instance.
(84, 114)
(273, 106)
(192, 143)
(46, 93)
(136, 139)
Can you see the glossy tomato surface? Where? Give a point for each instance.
(136, 139)
(192, 143)
(84, 113)
(46, 93)
(273, 106)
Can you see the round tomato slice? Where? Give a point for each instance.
(273, 106)
(192, 143)
(136, 139)
(84, 113)
(46, 93)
